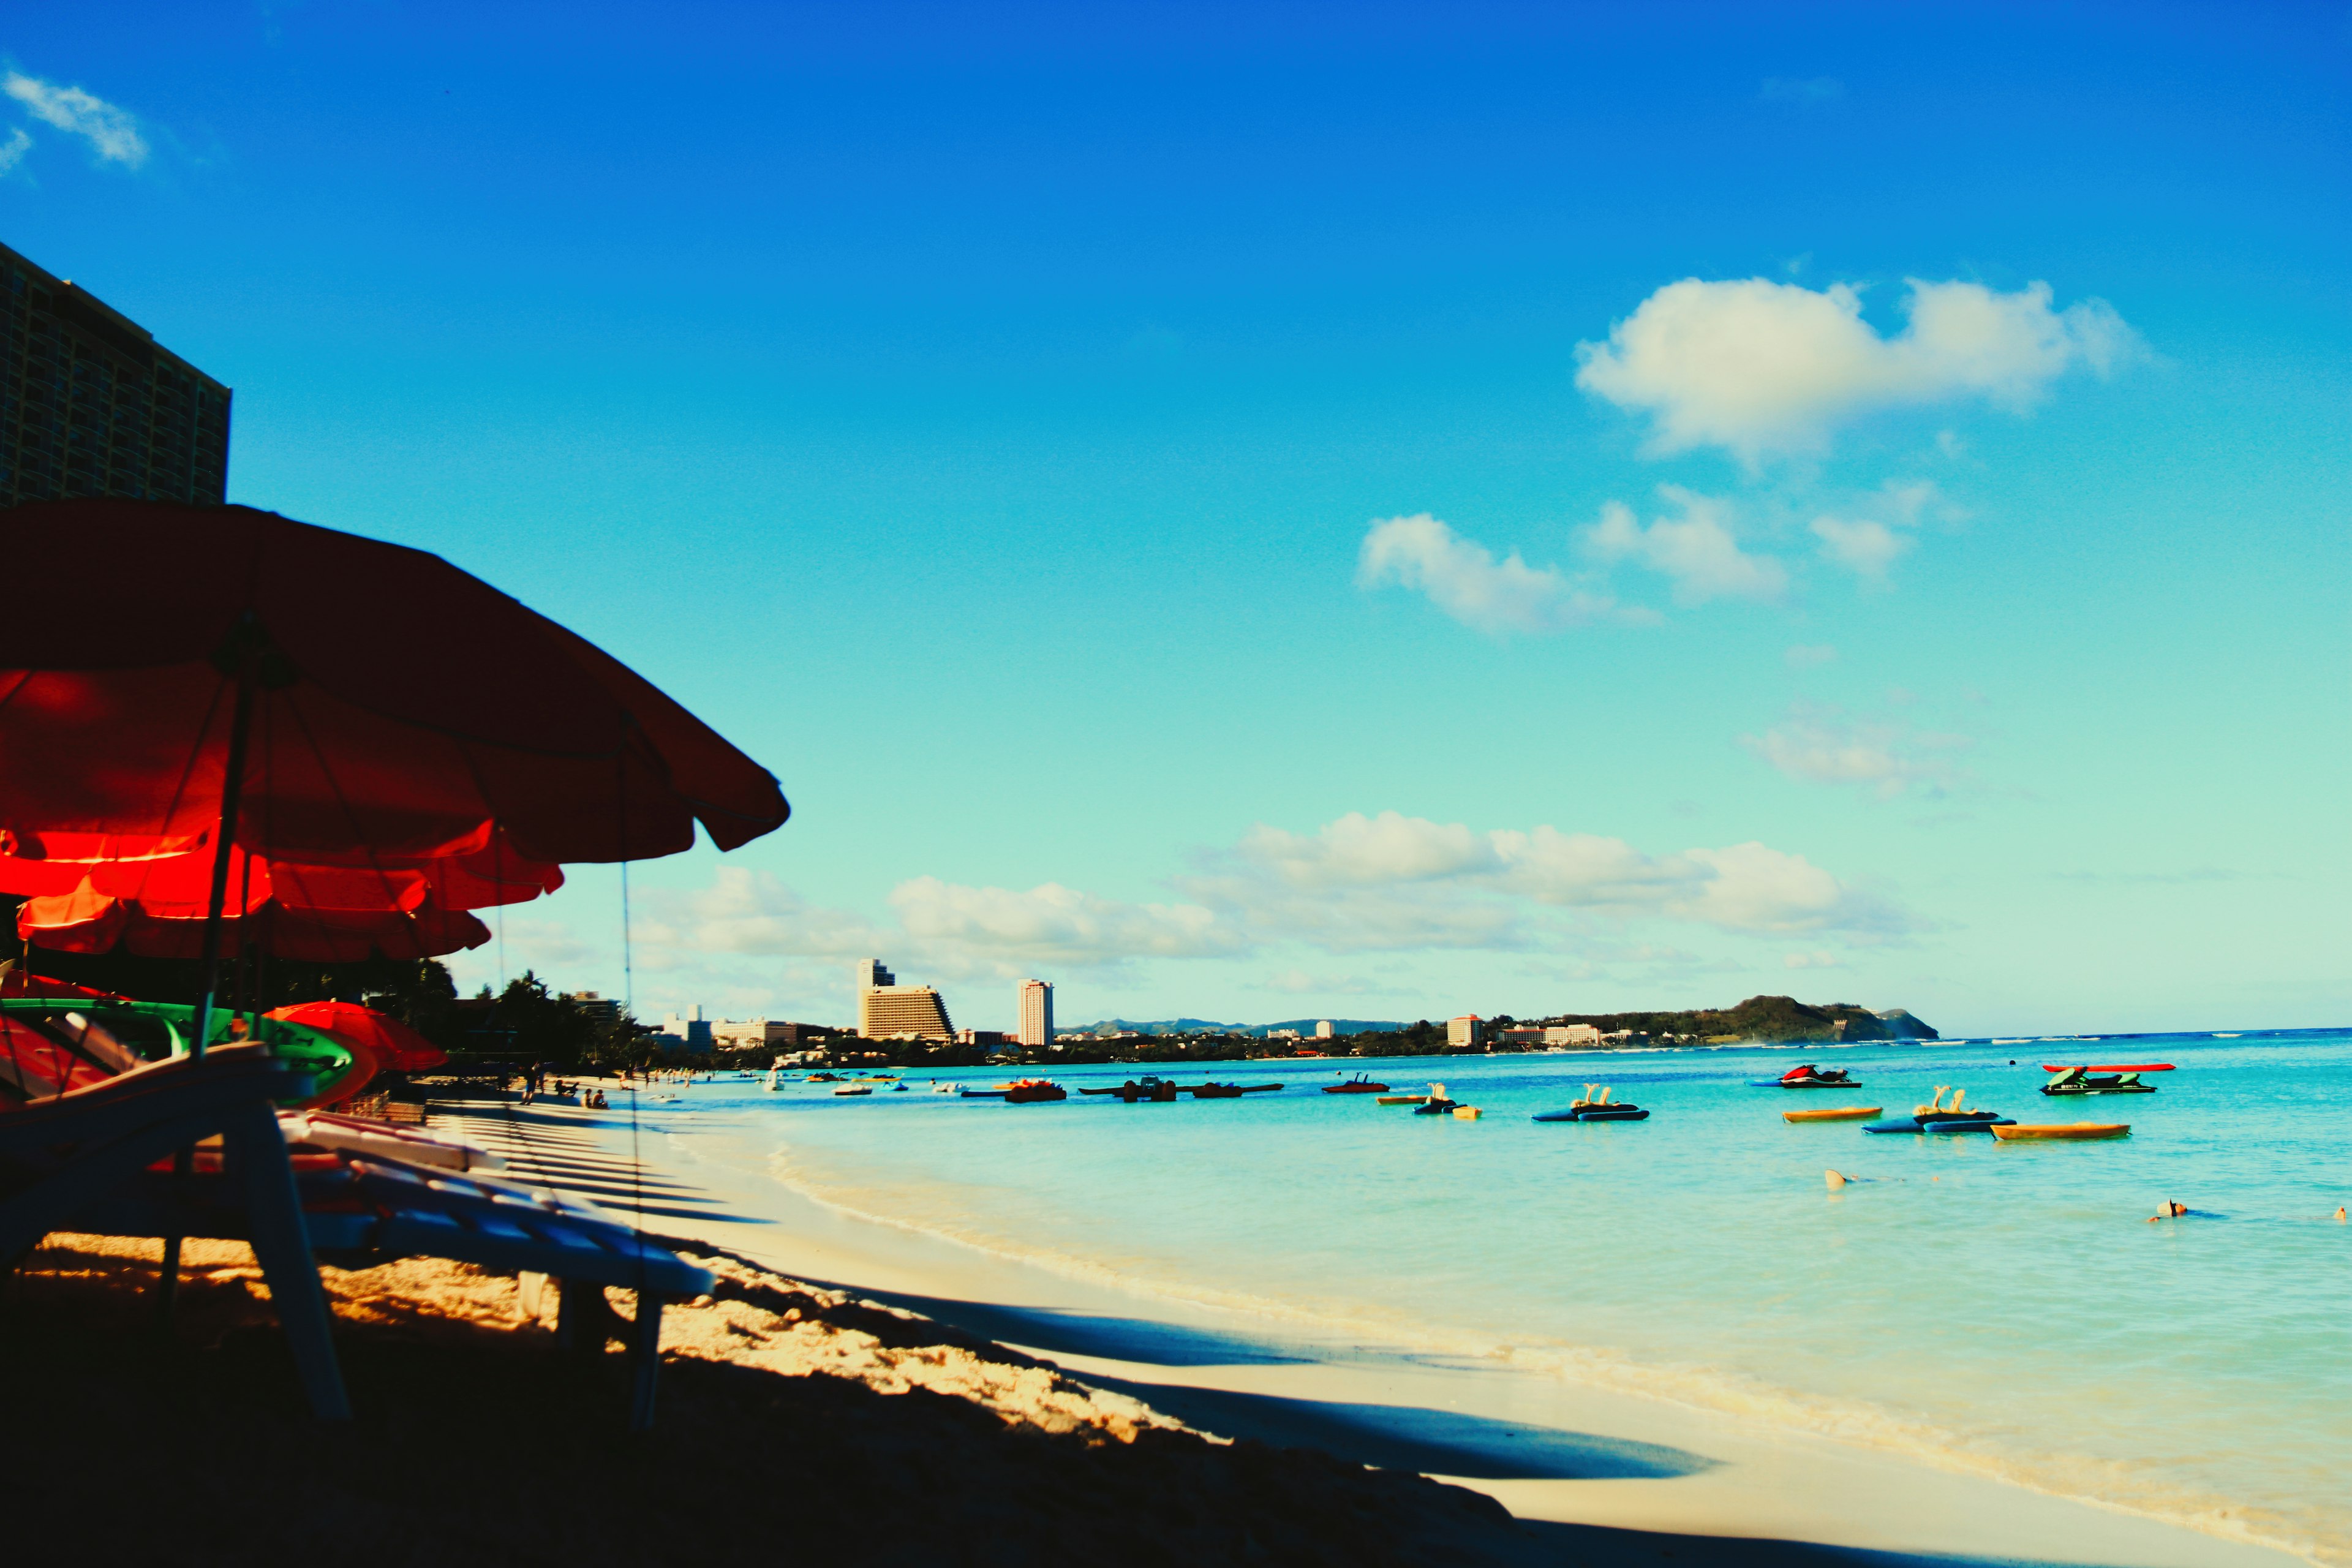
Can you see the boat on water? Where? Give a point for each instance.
(1402, 1098)
(2122, 1078)
(964, 1093)
(1226, 1090)
(1434, 1102)
(1937, 1117)
(1835, 1113)
(1596, 1106)
(1807, 1076)
(1149, 1090)
(770, 1086)
(2060, 1131)
(824, 1078)
(1032, 1090)
(848, 1091)
(1358, 1084)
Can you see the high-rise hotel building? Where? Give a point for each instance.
(886, 1008)
(1036, 999)
(91, 405)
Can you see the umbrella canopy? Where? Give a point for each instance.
(396, 706)
(392, 1043)
(88, 920)
(160, 873)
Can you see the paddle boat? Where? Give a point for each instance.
(2122, 1078)
(1433, 1103)
(1807, 1076)
(1401, 1098)
(848, 1091)
(1596, 1106)
(2060, 1131)
(1151, 1089)
(1226, 1091)
(770, 1086)
(1032, 1090)
(964, 1092)
(1835, 1113)
(1937, 1117)
(1358, 1084)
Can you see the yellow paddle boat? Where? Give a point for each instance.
(1833, 1113)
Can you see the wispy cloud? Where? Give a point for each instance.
(12, 151)
(1880, 529)
(1463, 578)
(1698, 553)
(1761, 368)
(1819, 743)
(112, 132)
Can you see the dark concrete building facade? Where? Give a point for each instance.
(90, 404)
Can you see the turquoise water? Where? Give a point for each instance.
(2002, 1308)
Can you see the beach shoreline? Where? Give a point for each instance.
(1545, 1444)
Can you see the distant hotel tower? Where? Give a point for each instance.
(1036, 1012)
(886, 1008)
(90, 406)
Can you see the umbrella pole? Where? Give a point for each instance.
(183, 1162)
(233, 786)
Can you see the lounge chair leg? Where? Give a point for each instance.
(644, 1344)
(585, 1321)
(167, 1284)
(282, 1247)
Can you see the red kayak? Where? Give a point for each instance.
(2127, 1067)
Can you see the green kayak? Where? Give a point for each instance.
(156, 1031)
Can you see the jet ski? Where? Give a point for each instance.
(2100, 1080)
(1807, 1076)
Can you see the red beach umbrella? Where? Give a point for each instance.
(86, 920)
(157, 872)
(392, 1043)
(317, 698)
(389, 701)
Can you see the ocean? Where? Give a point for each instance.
(2000, 1308)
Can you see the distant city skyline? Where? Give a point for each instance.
(1255, 513)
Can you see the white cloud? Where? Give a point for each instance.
(1697, 552)
(748, 912)
(1879, 529)
(1461, 577)
(1864, 546)
(1810, 961)
(111, 130)
(1821, 744)
(12, 151)
(1760, 367)
(1051, 924)
(1397, 882)
(1299, 983)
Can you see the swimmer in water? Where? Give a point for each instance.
(2167, 1210)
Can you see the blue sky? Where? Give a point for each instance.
(1368, 512)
